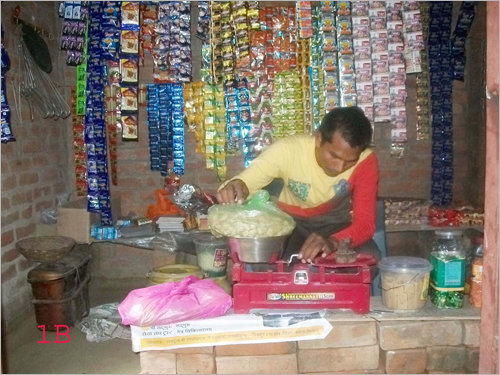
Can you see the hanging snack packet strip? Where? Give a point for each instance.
(199, 119)
(423, 110)
(78, 123)
(153, 127)
(397, 77)
(5, 116)
(177, 99)
(98, 193)
(149, 14)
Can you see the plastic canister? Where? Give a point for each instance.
(212, 255)
(448, 275)
(405, 282)
(173, 272)
(476, 288)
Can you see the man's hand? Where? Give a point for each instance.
(314, 245)
(234, 192)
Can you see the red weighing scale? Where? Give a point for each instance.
(305, 286)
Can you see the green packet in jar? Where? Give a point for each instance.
(447, 280)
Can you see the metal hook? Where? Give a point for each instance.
(17, 21)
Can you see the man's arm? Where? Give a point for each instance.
(265, 168)
(364, 203)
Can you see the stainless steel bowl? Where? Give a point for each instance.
(257, 250)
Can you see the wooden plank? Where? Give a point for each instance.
(488, 357)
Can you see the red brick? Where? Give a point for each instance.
(55, 131)
(265, 364)
(134, 154)
(5, 204)
(389, 173)
(198, 350)
(27, 213)
(9, 183)
(154, 182)
(41, 161)
(59, 188)
(9, 219)
(131, 182)
(20, 165)
(31, 146)
(420, 173)
(195, 364)
(8, 149)
(23, 264)
(131, 168)
(9, 273)
(49, 175)
(45, 205)
(10, 256)
(5, 166)
(22, 198)
(210, 179)
(7, 238)
(25, 231)
(28, 179)
(38, 132)
(41, 191)
(256, 349)
(148, 196)
(158, 362)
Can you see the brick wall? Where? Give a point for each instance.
(39, 166)
(406, 177)
(34, 168)
(352, 347)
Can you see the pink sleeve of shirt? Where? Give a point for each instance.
(364, 182)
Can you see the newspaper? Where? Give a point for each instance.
(232, 330)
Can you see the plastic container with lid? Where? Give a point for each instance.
(405, 282)
(173, 272)
(448, 258)
(476, 285)
(211, 253)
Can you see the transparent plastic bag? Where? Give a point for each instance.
(174, 302)
(104, 323)
(256, 217)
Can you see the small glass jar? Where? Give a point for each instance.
(448, 258)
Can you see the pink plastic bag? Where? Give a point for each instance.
(174, 302)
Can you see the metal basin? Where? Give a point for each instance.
(257, 250)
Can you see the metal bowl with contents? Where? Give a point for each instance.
(257, 250)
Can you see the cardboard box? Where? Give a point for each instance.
(74, 220)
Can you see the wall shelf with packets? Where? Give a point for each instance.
(423, 228)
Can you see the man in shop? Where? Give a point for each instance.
(329, 185)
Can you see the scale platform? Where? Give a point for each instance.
(324, 284)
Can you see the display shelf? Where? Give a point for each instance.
(422, 228)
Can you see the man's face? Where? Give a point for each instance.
(337, 156)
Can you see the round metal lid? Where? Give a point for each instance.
(451, 233)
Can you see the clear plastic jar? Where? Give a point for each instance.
(448, 258)
(476, 288)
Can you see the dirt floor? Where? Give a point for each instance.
(24, 355)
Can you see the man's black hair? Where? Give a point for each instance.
(352, 124)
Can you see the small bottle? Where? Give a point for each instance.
(172, 182)
(476, 288)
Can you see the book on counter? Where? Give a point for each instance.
(170, 224)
